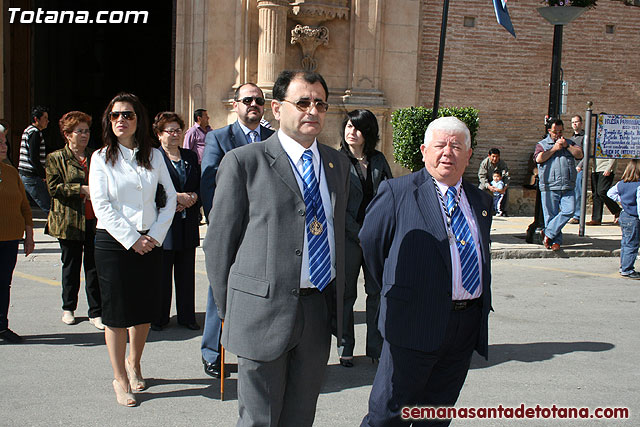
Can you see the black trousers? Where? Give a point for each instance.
(8, 258)
(182, 264)
(354, 261)
(600, 184)
(72, 261)
(408, 377)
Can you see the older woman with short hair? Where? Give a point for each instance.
(179, 247)
(132, 224)
(71, 218)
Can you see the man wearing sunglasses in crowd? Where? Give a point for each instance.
(248, 103)
(274, 253)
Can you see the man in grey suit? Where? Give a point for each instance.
(248, 103)
(425, 241)
(274, 253)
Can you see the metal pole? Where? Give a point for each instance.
(443, 38)
(586, 171)
(554, 85)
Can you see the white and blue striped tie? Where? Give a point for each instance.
(319, 255)
(465, 244)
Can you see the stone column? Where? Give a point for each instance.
(272, 18)
(366, 47)
(190, 58)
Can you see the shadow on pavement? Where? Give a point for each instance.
(210, 388)
(86, 339)
(340, 378)
(574, 241)
(534, 352)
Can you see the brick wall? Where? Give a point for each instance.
(507, 79)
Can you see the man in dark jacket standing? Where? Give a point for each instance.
(425, 240)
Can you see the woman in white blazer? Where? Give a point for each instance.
(134, 201)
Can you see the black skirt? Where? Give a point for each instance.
(129, 283)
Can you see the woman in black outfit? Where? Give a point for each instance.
(368, 168)
(179, 247)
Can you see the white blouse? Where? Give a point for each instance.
(123, 196)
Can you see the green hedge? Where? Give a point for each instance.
(409, 125)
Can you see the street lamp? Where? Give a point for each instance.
(558, 16)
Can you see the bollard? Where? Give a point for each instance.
(586, 150)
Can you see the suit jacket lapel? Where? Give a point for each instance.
(429, 205)
(265, 133)
(280, 163)
(328, 163)
(355, 179)
(238, 139)
(172, 171)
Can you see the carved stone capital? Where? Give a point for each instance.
(309, 38)
(314, 12)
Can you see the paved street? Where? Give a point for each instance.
(564, 332)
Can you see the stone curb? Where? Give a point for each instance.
(545, 253)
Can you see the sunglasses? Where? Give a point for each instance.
(82, 131)
(174, 132)
(127, 115)
(248, 100)
(305, 105)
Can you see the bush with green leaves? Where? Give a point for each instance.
(409, 125)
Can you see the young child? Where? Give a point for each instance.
(627, 192)
(498, 184)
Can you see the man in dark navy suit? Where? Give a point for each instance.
(248, 104)
(425, 240)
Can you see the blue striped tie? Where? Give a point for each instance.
(319, 256)
(465, 244)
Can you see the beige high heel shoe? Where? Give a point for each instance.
(137, 382)
(124, 398)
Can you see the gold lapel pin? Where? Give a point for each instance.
(484, 213)
(331, 165)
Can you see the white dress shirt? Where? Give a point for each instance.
(294, 151)
(457, 291)
(247, 131)
(123, 196)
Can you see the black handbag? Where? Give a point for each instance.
(161, 197)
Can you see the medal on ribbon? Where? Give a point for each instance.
(315, 227)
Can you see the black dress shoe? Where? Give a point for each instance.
(213, 369)
(193, 326)
(10, 336)
(347, 363)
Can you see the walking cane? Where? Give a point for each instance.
(222, 368)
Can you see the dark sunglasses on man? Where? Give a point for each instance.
(127, 115)
(248, 100)
(305, 105)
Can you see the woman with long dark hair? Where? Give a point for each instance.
(179, 247)
(368, 168)
(71, 218)
(134, 201)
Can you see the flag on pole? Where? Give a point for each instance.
(502, 15)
